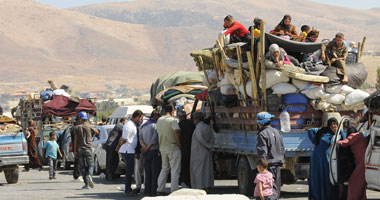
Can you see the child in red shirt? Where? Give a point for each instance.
(264, 181)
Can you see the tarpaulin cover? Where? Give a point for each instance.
(62, 106)
(291, 46)
(174, 79)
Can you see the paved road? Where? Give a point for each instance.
(35, 185)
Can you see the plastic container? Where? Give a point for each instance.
(285, 121)
(297, 108)
(294, 98)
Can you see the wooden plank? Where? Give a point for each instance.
(362, 46)
(241, 72)
(253, 43)
(262, 60)
(203, 68)
(214, 62)
(253, 78)
(223, 65)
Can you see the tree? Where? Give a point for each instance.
(378, 79)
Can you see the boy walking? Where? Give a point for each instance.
(50, 150)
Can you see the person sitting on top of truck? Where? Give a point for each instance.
(256, 27)
(334, 54)
(285, 28)
(276, 57)
(237, 32)
(312, 36)
(305, 29)
(270, 145)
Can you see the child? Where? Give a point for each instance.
(264, 181)
(50, 151)
(305, 29)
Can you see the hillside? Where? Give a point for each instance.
(133, 42)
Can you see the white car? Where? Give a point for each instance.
(127, 111)
(100, 152)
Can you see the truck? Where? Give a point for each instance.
(13, 151)
(235, 126)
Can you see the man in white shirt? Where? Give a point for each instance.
(128, 144)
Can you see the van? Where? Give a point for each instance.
(127, 111)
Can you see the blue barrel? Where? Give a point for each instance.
(294, 98)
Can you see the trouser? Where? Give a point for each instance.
(276, 172)
(171, 161)
(86, 162)
(139, 171)
(112, 161)
(152, 165)
(129, 160)
(52, 166)
(185, 168)
(76, 170)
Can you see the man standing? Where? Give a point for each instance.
(187, 129)
(83, 149)
(128, 144)
(201, 166)
(335, 54)
(270, 146)
(112, 156)
(149, 145)
(139, 158)
(169, 145)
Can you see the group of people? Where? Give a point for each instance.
(162, 145)
(320, 186)
(334, 53)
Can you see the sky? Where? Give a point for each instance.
(360, 4)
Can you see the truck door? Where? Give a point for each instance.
(372, 158)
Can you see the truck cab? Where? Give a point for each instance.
(372, 158)
(13, 153)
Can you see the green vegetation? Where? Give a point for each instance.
(105, 108)
(378, 79)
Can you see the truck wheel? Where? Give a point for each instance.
(245, 177)
(97, 169)
(11, 175)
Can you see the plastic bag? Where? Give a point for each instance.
(340, 89)
(274, 77)
(335, 99)
(355, 97)
(315, 93)
(283, 88)
(357, 74)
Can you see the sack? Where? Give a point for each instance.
(356, 74)
(283, 88)
(315, 93)
(211, 77)
(339, 89)
(227, 89)
(335, 99)
(303, 85)
(274, 77)
(355, 97)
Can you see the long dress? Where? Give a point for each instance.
(34, 162)
(320, 187)
(356, 183)
(201, 166)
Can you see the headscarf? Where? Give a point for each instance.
(325, 130)
(282, 24)
(263, 118)
(273, 48)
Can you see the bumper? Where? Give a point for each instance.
(13, 160)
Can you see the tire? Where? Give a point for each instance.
(11, 175)
(245, 177)
(97, 169)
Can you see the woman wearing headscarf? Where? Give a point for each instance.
(276, 57)
(201, 166)
(320, 187)
(356, 183)
(286, 28)
(31, 134)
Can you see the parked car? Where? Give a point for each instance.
(127, 111)
(66, 147)
(100, 152)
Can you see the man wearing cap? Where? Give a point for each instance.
(83, 149)
(270, 146)
(334, 54)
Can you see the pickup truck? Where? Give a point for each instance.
(13, 152)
